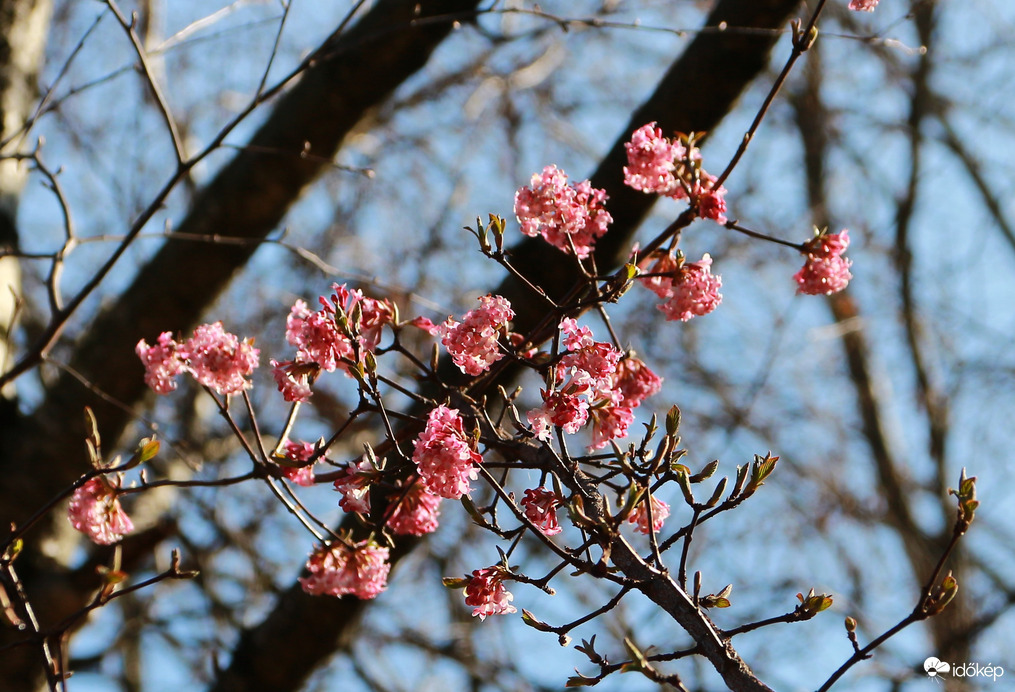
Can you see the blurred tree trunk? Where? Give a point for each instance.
(23, 28)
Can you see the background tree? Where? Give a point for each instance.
(509, 98)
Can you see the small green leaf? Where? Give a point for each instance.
(942, 596)
(716, 494)
(673, 421)
(811, 604)
(13, 550)
(529, 619)
(640, 662)
(706, 472)
(148, 448)
(684, 481)
(473, 511)
(738, 486)
(455, 582)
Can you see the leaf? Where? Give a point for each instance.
(146, 450)
(673, 421)
(455, 582)
(13, 550)
(473, 511)
(717, 494)
(639, 658)
(529, 619)
(706, 472)
(684, 481)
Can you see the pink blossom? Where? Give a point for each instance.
(299, 452)
(712, 203)
(630, 383)
(425, 324)
(355, 486)
(693, 291)
(609, 422)
(473, 342)
(672, 168)
(591, 369)
(445, 460)
(540, 507)
(374, 314)
(662, 271)
(825, 271)
(415, 510)
(219, 360)
(863, 5)
(323, 343)
(650, 161)
(317, 337)
(591, 380)
(635, 381)
(590, 364)
(540, 420)
(293, 379)
(568, 411)
(575, 337)
(360, 570)
(660, 510)
(96, 512)
(563, 214)
(162, 361)
(486, 591)
(583, 377)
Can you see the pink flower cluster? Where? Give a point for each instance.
(299, 452)
(690, 289)
(631, 383)
(414, 509)
(443, 456)
(354, 485)
(337, 570)
(583, 373)
(486, 591)
(672, 168)
(563, 214)
(323, 343)
(590, 379)
(540, 505)
(217, 359)
(863, 5)
(660, 510)
(473, 342)
(826, 271)
(96, 512)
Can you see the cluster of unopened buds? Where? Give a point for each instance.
(589, 385)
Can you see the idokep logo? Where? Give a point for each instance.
(935, 667)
